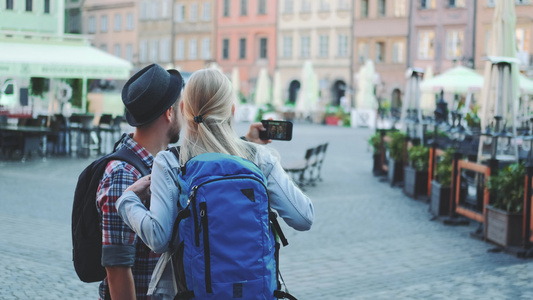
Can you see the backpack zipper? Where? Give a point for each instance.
(207, 254)
(192, 198)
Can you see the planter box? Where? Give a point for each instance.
(395, 172)
(377, 167)
(503, 228)
(440, 199)
(332, 120)
(415, 182)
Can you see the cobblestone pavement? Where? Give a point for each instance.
(369, 240)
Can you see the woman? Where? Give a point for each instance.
(207, 126)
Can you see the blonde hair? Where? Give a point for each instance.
(209, 95)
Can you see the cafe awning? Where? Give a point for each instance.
(76, 59)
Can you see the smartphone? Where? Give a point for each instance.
(276, 130)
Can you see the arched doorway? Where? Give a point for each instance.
(396, 102)
(294, 88)
(338, 90)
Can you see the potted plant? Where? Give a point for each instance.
(504, 218)
(416, 173)
(396, 146)
(441, 185)
(375, 142)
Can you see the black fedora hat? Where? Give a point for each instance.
(149, 93)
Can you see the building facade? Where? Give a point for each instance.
(320, 32)
(40, 17)
(380, 34)
(441, 34)
(524, 33)
(193, 32)
(246, 39)
(73, 16)
(112, 26)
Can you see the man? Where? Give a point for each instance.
(151, 98)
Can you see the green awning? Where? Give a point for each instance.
(60, 60)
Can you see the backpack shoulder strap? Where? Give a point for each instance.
(127, 155)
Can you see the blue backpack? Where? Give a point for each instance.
(225, 240)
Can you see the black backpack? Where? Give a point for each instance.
(86, 221)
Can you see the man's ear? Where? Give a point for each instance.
(233, 110)
(168, 114)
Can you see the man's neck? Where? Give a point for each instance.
(151, 140)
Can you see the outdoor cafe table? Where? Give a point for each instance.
(31, 137)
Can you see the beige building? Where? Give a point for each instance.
(524, 33)
(321, 32)
(380, 34)
(112, 25)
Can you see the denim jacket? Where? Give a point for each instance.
(154, 226)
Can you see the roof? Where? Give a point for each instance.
(59, 59)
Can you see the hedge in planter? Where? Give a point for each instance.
(375, 142)
(504, 217)
(441, 185)
(396, 148)
(416, 174)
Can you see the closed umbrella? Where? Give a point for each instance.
(263, 87)
(427, 99)
(277, 98)
(365, 97)
(308, 95)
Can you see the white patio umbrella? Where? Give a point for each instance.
(277, 97)
(427, 99)
(263, 93)
(365, 97)
(499, 96)
(308, 95)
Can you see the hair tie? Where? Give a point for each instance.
(199, 119)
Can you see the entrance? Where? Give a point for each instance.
(294, 88)
(338, 90)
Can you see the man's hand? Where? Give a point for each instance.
(253, 134)
(141, 187)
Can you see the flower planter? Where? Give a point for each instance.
(377, 167)
(503, 228)
(395, 172)
(332, 120)
(440, 199)
(415, 182)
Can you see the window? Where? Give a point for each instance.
(263, 46)
(522, 2)
(46, 6)
(289, 7)
(305, 48)
(103, 23)
(242, 48)
(343, 5)
(428, 4)
(398, 52)
(454, 44)
(323, 45)
(490, 3)
(244, 7)
(399, 8)
(287, 46)
(306, 6)
(226, 8)
(324, 5)
(164, 51)
(9, 4)
(180, 13)
(165, 11)
(129, 21)
(193, 17)
(103, 47)
(225, 48)
(144, 10)
(206, 11)
(29, 5)
(74, 21)
(363, 52)
(193, 49)
(522, 39)
(143, 51)
(117, 50)
(487, 41)
(343, 45)
(118, 22)
(206, 48)
(129, 52)
(380, 52)
(154, 50)
(456, 3)
(261, 7)
(426, 44)
(180, 49)
(364, 8)
(382, 8)
(92, 24)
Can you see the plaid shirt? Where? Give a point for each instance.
(120, 245)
